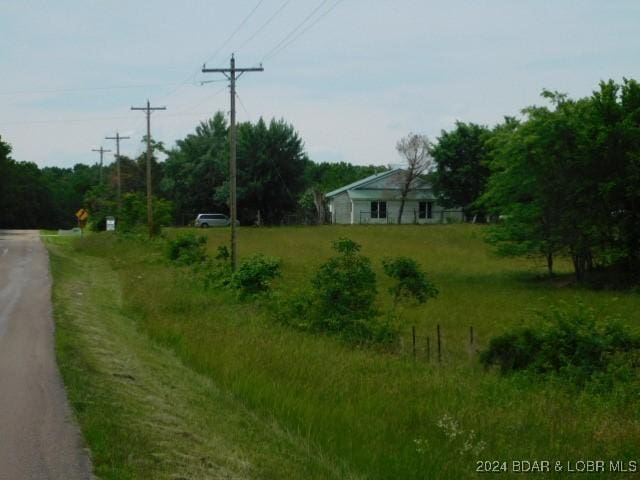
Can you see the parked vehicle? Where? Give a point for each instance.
(205, 220)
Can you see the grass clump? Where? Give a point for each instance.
(571, 343)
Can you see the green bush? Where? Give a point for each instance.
(412, 282)
(187, 249)
(570, 343)
(133, 215)
(344, 288)
(341, 300)
(254, 274)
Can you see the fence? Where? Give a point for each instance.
(433, 347)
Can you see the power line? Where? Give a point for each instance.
(292, 32)
(203, 100)
(243, 107)
(230, 37)
(192, 76)
(97, 119)
(324, 14)
(85, 89)
(262, 27)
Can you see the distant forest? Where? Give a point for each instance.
(275, 177)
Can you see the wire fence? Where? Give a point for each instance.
(435, 347)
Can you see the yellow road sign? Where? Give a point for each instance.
(82, 215)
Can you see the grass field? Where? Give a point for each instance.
(336, 410)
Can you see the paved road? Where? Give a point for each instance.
(38, 438)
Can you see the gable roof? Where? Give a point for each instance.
(362, 182)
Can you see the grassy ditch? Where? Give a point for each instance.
(357, 411)
(143, 412)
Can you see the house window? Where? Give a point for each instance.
(425, 209)
(378, 209)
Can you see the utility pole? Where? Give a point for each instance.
(102, 152)
(233, 74)
(117, 138)
(148, 109)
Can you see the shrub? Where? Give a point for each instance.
(570, 343)
(187, 249)
(344, 287)
(254, 274)
(133, 216)
(341, 300)
(412, 282)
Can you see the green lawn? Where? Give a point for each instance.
(354, 411)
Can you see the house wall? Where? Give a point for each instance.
(341, 208)
(362, 209)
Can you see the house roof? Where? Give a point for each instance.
(362, 182)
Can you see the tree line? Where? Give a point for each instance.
(277, 182)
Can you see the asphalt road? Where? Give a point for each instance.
(38, 437)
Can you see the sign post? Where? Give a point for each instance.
(82, 215)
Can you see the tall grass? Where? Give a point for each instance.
(379, 414)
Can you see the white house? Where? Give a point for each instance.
(376, 199)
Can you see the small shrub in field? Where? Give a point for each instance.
(254, 274)
(187, 249)
(411, 281)
(345, 287)
(571, 343)
(341, 300)
(223, 254)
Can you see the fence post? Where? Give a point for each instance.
(471, 336)
(439, 345)
(413, 334)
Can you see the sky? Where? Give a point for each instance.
(352, 76)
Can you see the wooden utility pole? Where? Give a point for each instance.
(117, 138)
(148, 109)
(232, 73)
(102, 152)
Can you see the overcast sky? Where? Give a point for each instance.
(352, 79)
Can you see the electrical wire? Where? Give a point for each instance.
(230, 37)
(85, 89)
(203, 100)
(292, 32)
(264, 25)
(324, 14)
(185, 113)
(243, 107)
(192, 76)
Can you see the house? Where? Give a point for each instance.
(376, 199)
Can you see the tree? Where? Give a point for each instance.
(416, 151)
(25, 200)
(197, 168)
(461, 170)
(565, 180)
(271, 166)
